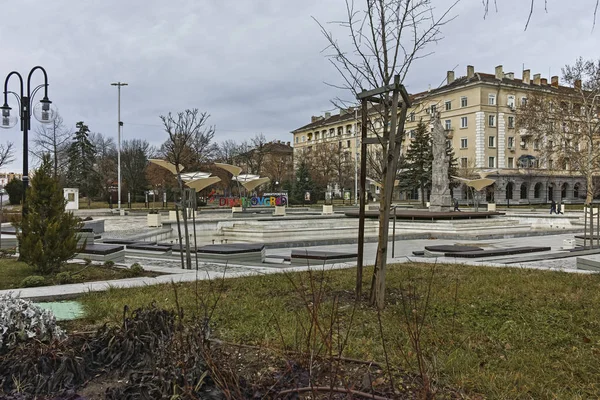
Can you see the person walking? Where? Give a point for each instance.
(553, 207)
(559, 207)
(456, 205)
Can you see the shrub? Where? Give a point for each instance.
(21, 320)
(64, 278)
(47, 234)
(109, 264)
(7, 253)
(33, 281)
(136, 270)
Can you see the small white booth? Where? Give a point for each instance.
(72, 198)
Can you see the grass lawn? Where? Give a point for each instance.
(13, 272)
(502, 333)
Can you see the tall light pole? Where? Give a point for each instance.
(119, 124)
(44, 112)
(356, 156)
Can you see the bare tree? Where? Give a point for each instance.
(386, 39)
(565, 124)
(6, 153)
(532, 3)
(226, 151)
(134, 159)
(252, 153)
(53, 139)
(186, 131)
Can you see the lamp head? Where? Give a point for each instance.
(45, 112)
(7, 121)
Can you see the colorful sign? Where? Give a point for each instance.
(266, 200)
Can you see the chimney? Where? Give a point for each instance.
(470, 71)
(499, 73)
(554, 81)
(314, 119)
(287, 143)
(527, 77)
(449, 77)
(577, 83)
(537, 79)
(327, 115)
(544, 81)
(509, 75)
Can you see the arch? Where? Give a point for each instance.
(489, 193)
(550, 189)
(564, 190)
(576, 188)
(524, 189)
(509, 190)
(537, 190)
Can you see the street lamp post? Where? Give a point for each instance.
(44, 112)
(119, 125)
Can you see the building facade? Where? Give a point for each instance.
(479, 112)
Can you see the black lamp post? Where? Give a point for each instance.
(44, 112)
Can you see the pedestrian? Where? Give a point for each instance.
(559, 208)
(456, 205)
(553, 207)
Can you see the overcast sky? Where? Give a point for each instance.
(255, 66)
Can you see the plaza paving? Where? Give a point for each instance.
(128, 226)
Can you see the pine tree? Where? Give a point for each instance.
(452, 169)
(303, 183)
(47, 234)
(81, 160)
(417, 162)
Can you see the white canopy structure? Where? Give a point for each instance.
(197, 180)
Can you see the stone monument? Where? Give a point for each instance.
(440, 184)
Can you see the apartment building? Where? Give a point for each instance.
(479, 112)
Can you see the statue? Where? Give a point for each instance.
(441, 200)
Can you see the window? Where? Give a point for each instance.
(511, 142)
(463, 162)
(536, 144)
(463, 122)
(448, 124)
(411, 133)
(510, 101)
(511, 162)
(297, 139)
(340, 130)
(463, 143)
(340, 145)
(411, 117)
(550, 144)
(491, 120)
(348, 143)
(491, 162)
(448, 105)
(492, 141)
(463, 101)
(550, 164)
(433, 108)
(303, 139)
(491, 99)
(316, 135)
(511, 122)
(523, 101)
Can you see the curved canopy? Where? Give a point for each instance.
(202, 183)
(165, 164)
(251, 185)
(233, 169)
(476, 184)
(192, 176)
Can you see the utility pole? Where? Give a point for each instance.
(356, 156)
(119, 125)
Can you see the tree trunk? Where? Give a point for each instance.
(389, 175)
(422, 194)
(188, 256)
